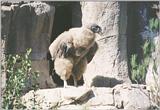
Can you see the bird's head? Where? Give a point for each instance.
(95, 28)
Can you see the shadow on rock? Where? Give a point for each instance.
(101, 81)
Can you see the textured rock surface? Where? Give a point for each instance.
(29, 25)
(53, 98)
(129, 97)
(110, 60)
(157, 54)
(5, 17)
(153, 74)
(103, 97)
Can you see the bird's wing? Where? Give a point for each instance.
(62, 46)
(90, 54)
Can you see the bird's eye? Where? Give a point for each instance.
(94, 29)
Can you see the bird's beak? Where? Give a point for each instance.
(100, 32)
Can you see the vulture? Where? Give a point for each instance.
(72, 50)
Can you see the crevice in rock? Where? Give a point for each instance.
(113, 97)
(133, 40)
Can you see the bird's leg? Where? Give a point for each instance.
(65, 84)
(75, 80)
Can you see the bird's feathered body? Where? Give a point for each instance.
(77, 38)
(70, 50)
(63, 67)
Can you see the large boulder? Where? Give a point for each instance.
(131, 97)
(29, 25)
(109, 65)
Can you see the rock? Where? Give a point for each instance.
(67, 97)
(76, 15)
(79, 96)
(152, 79)
(72, 107)
(52, 98)
(6, 14)
(153, 74)
(157, 53)
(110, 60)
(103, 97)
(29, 25)
(129, 98)
(43, 99)
(86, 107)
(122, 96)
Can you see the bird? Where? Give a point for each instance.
(72, 50)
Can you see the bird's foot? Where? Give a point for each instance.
(66, 85)
(75, 82)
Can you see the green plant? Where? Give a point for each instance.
(18, 73)
(139, 70)
(154, 23)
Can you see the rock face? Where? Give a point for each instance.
(29, 25)
(110, 60)
(157, 54)
(129, 97)
(153, 74)
(5, 15)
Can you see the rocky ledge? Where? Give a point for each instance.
(122, 96)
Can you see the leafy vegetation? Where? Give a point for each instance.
(18, 73)
(154, 24)
(139, 69)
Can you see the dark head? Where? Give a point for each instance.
(95, 28)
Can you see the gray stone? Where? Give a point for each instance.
(54, 98)
(110, 60)
(29, 25)
(76, 15)
(5, 24)
(123, 96)
(72, 107)
(43, 99)
(86, 107)
(153, 74)
(103, 97)
(129, 98)
(6, 20)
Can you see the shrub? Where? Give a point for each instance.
(18, 74)
(139, 70)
